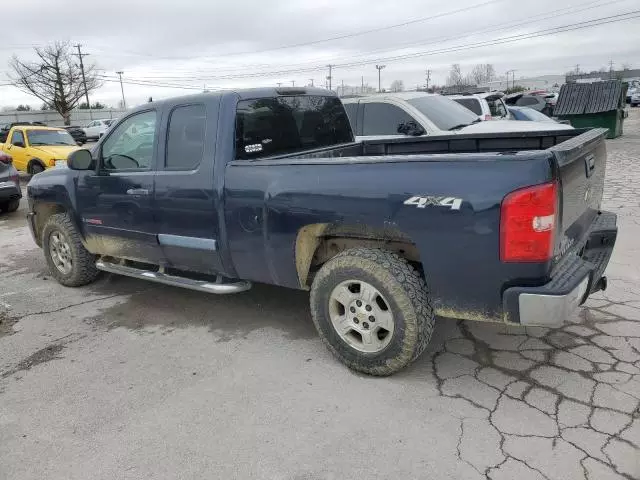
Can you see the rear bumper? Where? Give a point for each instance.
(573, 280)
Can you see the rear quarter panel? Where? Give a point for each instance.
(268, 202)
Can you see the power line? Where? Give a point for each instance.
(339, 37)
(487, 43)
(435, 41)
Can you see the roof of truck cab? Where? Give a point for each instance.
(244, 94)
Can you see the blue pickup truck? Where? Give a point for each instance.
(215, 191)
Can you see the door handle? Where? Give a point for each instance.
(137, 191)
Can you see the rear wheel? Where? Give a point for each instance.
(69, 262)
(372, 309)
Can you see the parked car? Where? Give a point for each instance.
(529, 114)
(393, 115)
(78, 134)
(95, 129)
(487, 106)
(35, 149)
(634, 101)
(10, 192)
(4, 129)
(542, 102)
(268, 185)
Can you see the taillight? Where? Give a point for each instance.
(487, 117)
(528, 223)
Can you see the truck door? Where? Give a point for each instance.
(186, 200)
(17, 148)
(115, 202)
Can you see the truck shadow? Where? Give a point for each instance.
(227, 316)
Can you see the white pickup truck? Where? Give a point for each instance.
(392, 115)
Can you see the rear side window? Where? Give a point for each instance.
(527, 101)
(472, 104)
(185, 140)
(384, 119)
(289, 124)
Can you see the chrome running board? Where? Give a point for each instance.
(217, 287)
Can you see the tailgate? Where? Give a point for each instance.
(581, 165)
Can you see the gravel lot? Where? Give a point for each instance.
(128, 380)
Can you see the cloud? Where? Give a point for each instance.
(199, 43)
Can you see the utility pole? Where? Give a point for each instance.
(379, 67)
(293, 83)
(610, 69)
(342, 87)
(311, 81)
(329, 77)
(84, 80)
(513, 72)
(362, 84)
(577, 69)
(124, 103)
(279, 84)
(428, 78)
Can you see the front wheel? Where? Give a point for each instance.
(69, 262)
(372, 309)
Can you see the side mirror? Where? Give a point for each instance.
(80, 160)
(79, 143)
(18, 144)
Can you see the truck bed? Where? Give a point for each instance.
(464, 143)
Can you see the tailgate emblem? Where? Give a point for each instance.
(590, 164)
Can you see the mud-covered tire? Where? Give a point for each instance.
(10, 206)
(402, 288)
(83, 264)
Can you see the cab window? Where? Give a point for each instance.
(130, 144)
(17, 137)
(289, 124)
(384, 119)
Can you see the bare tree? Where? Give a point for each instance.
(54, 78)
(455, 75)
(397, 86)
(626, 66)
(482, 73)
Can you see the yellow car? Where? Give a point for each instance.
(35, 149)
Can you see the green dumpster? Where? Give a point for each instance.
(597, 104)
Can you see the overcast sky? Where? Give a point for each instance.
(241, 43)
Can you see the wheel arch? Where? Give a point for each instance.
(319, 242)
(35, 161)
(43, 211)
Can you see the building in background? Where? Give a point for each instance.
(631, 76)
(551, 83)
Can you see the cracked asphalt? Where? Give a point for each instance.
(129, 380)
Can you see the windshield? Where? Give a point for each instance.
(50, 137)
(472, 104)
(443, 112)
